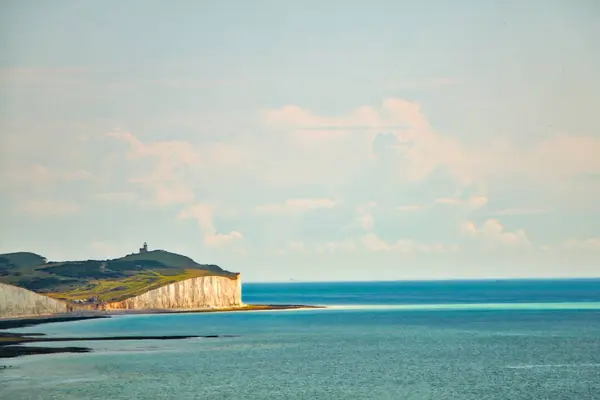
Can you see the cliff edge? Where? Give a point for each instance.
(19, 302)
(194, 293)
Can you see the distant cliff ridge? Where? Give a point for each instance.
(149, 279)
(194, 293)
(19, 302)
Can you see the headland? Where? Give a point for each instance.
(36, 291)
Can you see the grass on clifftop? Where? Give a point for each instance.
(117, 290)
(171, 260)
(108, 280)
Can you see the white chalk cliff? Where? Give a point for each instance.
(194, 293)
(19, 302)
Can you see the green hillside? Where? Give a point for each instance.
(104, 280)
(21, 259)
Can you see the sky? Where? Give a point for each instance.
(305, 140)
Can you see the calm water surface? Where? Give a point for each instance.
(383, 340)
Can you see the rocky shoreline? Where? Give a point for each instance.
(11, 344)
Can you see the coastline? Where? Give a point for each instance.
(11, 343)
(244, 308)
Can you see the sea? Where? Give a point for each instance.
(505, 340)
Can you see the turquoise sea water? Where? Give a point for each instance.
(382, 340)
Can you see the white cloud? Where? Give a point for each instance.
(168, 153)
(311, 127)
(474, 203)
(449, 201)
(575, 247)
(337, 247)
(41, 174)
(46, 208)
(432, 83)
(591, 244)
(167, 192)
(420, 150)
(218, 239)
(411, 207)
(566, 155)
(477, 202)
(340, 146)
(167, 178)
(362, 208)
(366, 221)
(469, 228)
(203, 214)
(519, 211)
(493, 234)
(372, 242)
(403, 118)
(294, 206)
(179, 165)
(125, 197)
(293, 247)
(297, 246)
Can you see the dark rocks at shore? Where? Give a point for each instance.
(118, 338)
(9, 339)
(9, 343)
(27, 322)
(17, 351)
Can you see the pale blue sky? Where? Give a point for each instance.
(310, 140)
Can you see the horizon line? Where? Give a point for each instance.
(479, 279)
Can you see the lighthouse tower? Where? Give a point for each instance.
(144, 249)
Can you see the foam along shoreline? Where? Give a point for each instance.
(32, 320)
(244, 308)
(472, 306)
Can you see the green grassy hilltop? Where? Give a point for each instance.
(106, 280)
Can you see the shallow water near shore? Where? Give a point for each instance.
(382, 340)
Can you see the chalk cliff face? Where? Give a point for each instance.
(194, 293)
(19, 302)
